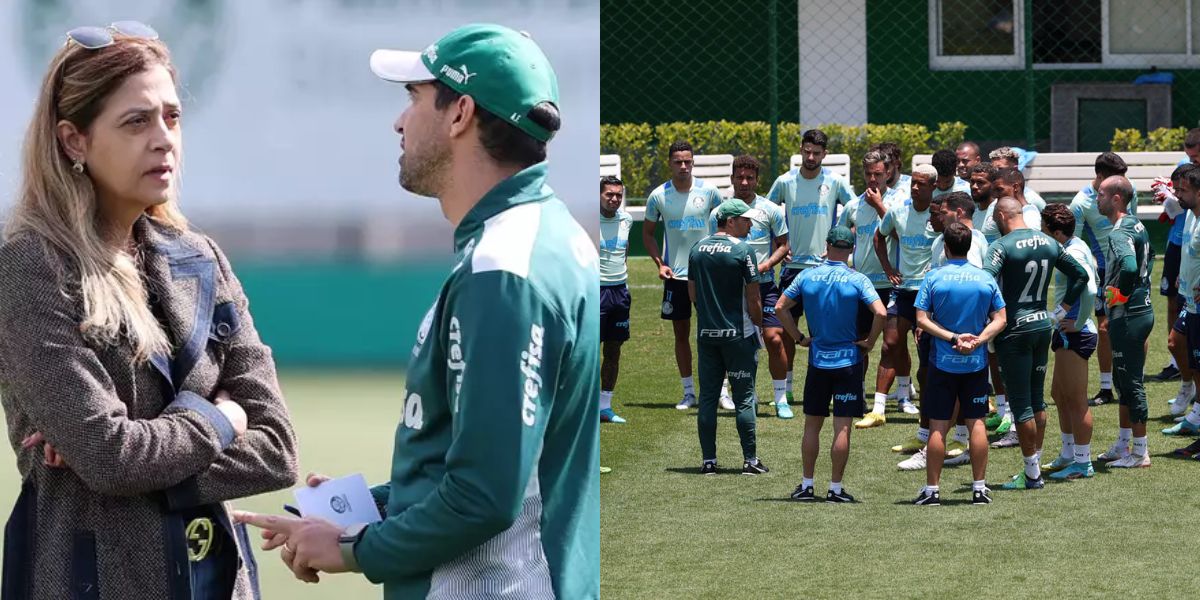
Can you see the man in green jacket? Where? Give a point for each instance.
(495, 483)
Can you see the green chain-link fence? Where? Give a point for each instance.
(1049, 75)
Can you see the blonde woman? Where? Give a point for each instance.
(137, 393)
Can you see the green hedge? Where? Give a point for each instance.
(1163, 139)
(643, 147)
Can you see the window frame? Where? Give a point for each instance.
(1016, 60)
(1144, 61)
(979, 62)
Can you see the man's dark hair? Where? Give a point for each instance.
(506, 143)
(610, 180)
(1057, 217)
(959, 201)
(746, 161)
(1179, 172)
(1192, 139)
(958, 239)
(680, 146)
(945, 162)
(880, 149)
(893, 150)
(1193, 178)
(1109, 164)
(1010, 175)
(984, 167)
(815, 136)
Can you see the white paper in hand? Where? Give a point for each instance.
(344, 501)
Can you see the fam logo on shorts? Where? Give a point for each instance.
(667, 307)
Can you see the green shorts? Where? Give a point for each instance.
(1022, 358)
(1128, 335)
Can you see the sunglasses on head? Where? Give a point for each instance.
(94, 38)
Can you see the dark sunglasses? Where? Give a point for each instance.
(94, 38)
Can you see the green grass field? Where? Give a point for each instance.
(668, 532)
(345, 423)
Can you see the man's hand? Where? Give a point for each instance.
(665, 272)
(967, 343)
(894, 277)
(865, 345)
(804, 341)
(50, 457)
(874, 197)
(764, 268)
(309, 545)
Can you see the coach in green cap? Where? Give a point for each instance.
(494, 488)
(723, 284)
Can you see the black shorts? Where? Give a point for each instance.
(770, 295)
(844, 386)
(901, 305)
(614, 312)
(677, 305)
(1180, 322)
(785, 279)
(969, 390)
(865, 318)
(1193, 340)
(1082, 343)
(1170, 273)
(924, 346)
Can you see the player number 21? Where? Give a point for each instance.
(1033, 269)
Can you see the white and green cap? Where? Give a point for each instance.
(502, 69)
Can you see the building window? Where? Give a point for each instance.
(1095, 34)
(975, 34)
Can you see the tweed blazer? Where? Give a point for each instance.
(141, 441)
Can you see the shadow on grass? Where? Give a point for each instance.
(696, 471)
(650, 405)
(1172, 456)
(945, 502)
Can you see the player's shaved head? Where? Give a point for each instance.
(1008, 215)
(1008, 206)
(1118, 185)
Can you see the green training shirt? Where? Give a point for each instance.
(1128, 254)
(1021, 263)
(766, 224)
(495, 472)
(720, 268)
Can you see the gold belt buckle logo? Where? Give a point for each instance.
(199, 538)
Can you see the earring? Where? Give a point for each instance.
(78, 166)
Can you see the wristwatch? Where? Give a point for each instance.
(954, 340)
(346, 542)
